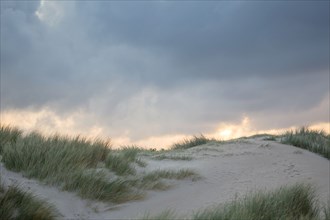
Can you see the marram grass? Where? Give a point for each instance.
(289, 202)
(192, 142)
(154, 179)
(170, 174)
(313, 140)
(294, 202)
(122, 161)
(8, 135)
(79, 165)
(118, 164)
(17, 204)
(63, 161)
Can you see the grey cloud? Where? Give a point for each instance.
(28, 7)
(260, 38)
(199, 108)
(175, 67)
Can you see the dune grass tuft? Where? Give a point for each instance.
(294, 202)
(8, 135)
(192, 142)
(119, 164)
(39, 155)
(121, 161)
(259, 135)
(130, 153)
(17, 204)
(96, 186)
(170, 174)
(171, 157)
(290, 202)
(153, 180)
(312, 140)
(77, 165)
(63, 161)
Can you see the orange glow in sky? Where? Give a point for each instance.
(47, 122)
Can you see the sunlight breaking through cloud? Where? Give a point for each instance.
(48, 122)
(151, 73)
(228, 131)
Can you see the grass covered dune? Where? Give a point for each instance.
(312, 140)
(93, 170)
(17, 204)
(90, 168)
(290, 202)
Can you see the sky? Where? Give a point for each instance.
(154, 72)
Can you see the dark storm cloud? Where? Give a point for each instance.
(198, 62)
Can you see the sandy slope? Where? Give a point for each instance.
(228, 170)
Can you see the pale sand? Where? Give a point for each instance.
(228, 170)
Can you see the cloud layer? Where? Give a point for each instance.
(144, 69)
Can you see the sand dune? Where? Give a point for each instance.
(228, 170)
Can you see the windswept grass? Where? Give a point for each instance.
(96, 186)
(170, 174)
(259, 135)
(8, 135)
(17, 204)
(130, 153)
(291, 202)
(63, 161)
(312, 140)
(171, 157)
(153, 180)
(121, 161)
(119, 164)
(192, 142)
(40, 157)
(295, 202)
(78, 165)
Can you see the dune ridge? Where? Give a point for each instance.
(185, 180)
